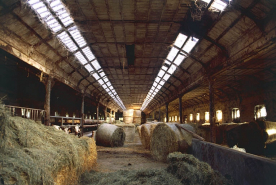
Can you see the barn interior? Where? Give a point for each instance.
(141, 79)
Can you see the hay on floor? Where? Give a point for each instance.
(110, 135)
(146, 132)
(183, 169)
(190, 170)
(32, 153)
(167, 138)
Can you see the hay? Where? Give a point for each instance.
(167, 138)
(183, 169)
(151, 177)
(191, 171)
(146, 132)
(32, 153)
(110, 135)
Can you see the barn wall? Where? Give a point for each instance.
(245, 102)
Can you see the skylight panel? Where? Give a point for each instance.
(42, 9)
(159, 87)
(180, 40)
(102, 73)
(101, 81)
(105, 79)
(96, 76)
(157, 79)
(96, 65)
(219, 5)
(88, 53)
(161, 73)
(88, 67)
(80, 57)
(167, 62)
(190, 44)
(180, 57)
(56, 17)
(37, 5)
(165, 68)
(162, 82)
(77, 36)
(166, 77)
(172, 54)
(67, 41)
(154, 84)
(31, 2)
(207, 1)
(172, 69)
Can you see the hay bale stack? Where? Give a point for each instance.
(167, 138)
(32, 153)
(110, 135)
(146, 132)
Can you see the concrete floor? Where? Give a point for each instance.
(132, 156)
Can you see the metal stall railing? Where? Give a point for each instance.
(26, 112)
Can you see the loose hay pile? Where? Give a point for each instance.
(190, 170)
(146, 132)
(32, 153)
(110, 135)
(167, 138)
(183, 169)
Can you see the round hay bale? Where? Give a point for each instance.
(139, 130)
(146, 132)
(110, 135)
(167, 138)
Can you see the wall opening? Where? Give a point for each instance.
(206, 117)
(219, 116)
(236, 115)
(197, 116)
(191, 117)
(260, 112)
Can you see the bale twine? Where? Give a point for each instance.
(32, 153)
(110, 135)
(167, 138)
(146, 132)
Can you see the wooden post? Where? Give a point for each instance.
(159, 115)
(82, 114)
(212, 112)
(167, 112)
(105, 113)
(48, 87)
(97, 114)
(180, 109)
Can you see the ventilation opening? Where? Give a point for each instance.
(130, 54)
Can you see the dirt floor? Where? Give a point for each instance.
(132, 156)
